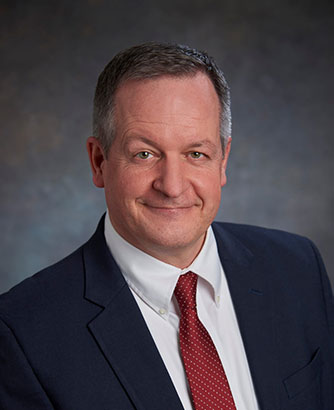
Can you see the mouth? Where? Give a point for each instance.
(168, 210)
(168, 207)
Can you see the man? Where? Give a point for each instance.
(115, 325)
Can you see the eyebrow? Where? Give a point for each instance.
(148, 141)
(196, 144)
(205, 142)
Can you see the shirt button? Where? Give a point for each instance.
(217, 299)
(162, 311)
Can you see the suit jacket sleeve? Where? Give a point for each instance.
(19, 385)
(329, 305)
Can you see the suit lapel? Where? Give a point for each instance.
(122, 334)
(252, 298)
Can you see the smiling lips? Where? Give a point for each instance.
(169, 210)
(168, 207)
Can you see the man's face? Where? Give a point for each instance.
(165, 168)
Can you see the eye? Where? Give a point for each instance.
(143, 155)
(196, 155)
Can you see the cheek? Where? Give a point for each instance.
(211, 195)
(208, 185)
(127, 186)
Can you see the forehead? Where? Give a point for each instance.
(167, 98)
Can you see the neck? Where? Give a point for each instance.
(178, 258)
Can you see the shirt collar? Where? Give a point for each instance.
(153, 280)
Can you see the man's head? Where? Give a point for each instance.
(148, 61)
(164, 170)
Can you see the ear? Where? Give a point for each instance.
(97, 159)
(224, 161)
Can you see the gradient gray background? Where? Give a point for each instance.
(277, 57)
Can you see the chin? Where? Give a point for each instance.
(176, 239)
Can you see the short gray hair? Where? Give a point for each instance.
(153, 60)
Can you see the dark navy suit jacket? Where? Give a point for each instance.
(73, 338)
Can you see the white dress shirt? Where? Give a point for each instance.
(152, 283)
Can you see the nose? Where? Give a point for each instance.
(171, 177)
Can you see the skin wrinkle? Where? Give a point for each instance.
(137, 120)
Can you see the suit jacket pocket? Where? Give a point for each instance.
(304, 377)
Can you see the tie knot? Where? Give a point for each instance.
(185, 291)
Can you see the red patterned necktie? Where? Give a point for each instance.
(206, 377)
